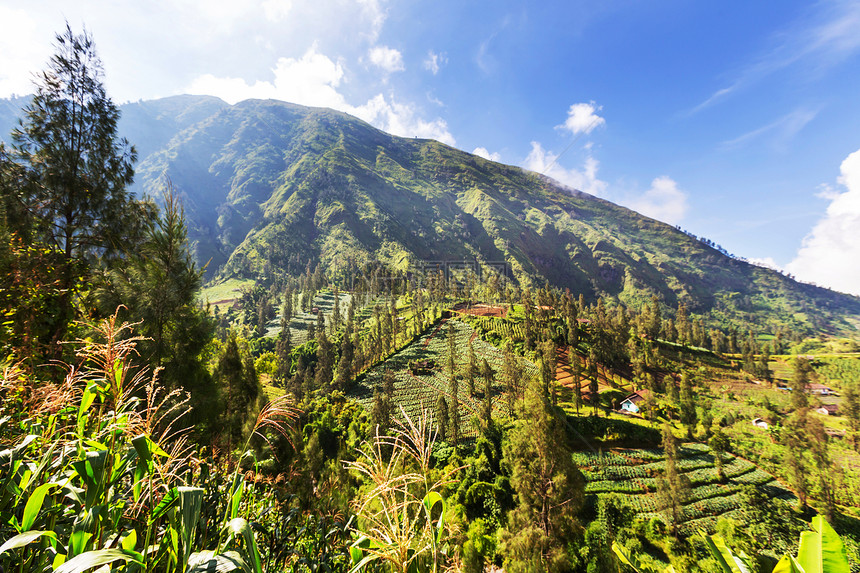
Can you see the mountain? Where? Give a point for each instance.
(269, 185)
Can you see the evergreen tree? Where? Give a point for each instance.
(345, 363)
(158, 286)
(550, 490)
(471, 370)
(576, 369)
(687, 405)
(673, 487)
(442, 420)
(799, 382)
(240, 388)
(487, 373)
(325, 363)
(512, 374)
(851, 409)
(75, 171)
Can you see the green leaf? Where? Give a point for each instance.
(821, 551)
(788, 565)
(729, 562)
(240, 527)
(236, 496)
(25, 538)
(210, 562)
(92, 559)
(429, 501)
(190, 503)
(86, 401)
(624, 556)
(34, 506)
(129, 542)
(165, 504)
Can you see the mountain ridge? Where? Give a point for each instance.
(268, 184)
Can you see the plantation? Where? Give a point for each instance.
(419, 392)
(347, 412)
(711, 498)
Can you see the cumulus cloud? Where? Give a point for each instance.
(485, 153)
(664, 201)
(402, 119)
(582, 118)
(584, 179)
(314, 80)
(434, 62)
(388, 59)
(311, 80)
(829, 253)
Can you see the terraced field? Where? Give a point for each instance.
(634, 474)
(415, 392)
(324, 301)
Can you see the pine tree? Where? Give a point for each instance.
(158, 286)
(237, 379)
(688, 404)
(442, 420)
(799, 382)
(512, 374)
(75, 172)
(488, 374)
(550, 490)
(576, 369)
(325, 363)
(471, 370)
(673, 487)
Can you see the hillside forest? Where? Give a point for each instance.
(338, 413)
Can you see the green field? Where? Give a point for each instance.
(416, 392)
(634, 474)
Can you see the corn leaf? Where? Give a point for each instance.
(25, 538)
(92, 559)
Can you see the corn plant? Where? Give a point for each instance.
(98, 472)
(401, 514)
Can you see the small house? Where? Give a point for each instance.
(631, 402)
(759, 423)
(828, 410)
(819, 389)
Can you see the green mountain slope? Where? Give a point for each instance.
(268, 186)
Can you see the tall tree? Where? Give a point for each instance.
(550, 490)
(673, 487)
(77, 169)
(240, 388)
(487, 374)
(471, 370)
(799, 381)
(159, 285)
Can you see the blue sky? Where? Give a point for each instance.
(735, 120)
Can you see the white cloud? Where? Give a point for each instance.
(766, 262)
(21, 50)
(434, 62)
(485, 153)
(582, 118)
(779, 132)
(664, 201)
(829, 253)
(311, 80)
(585, 179)
(402, 119)
(388, 59)
(277, 10)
